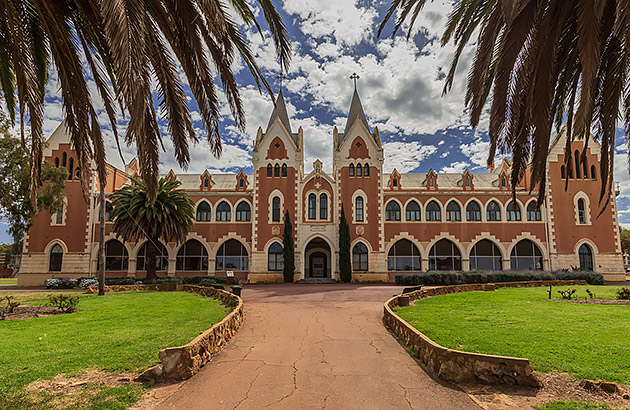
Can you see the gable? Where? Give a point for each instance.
(277, 149)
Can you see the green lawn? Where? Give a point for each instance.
(8, 281)
(116, 332)
(573, 405)
(588, 341)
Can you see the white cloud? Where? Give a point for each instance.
(456, 167)
(344, 21)
(405, 156)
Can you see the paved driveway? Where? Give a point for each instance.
(315, 347)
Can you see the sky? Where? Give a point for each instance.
(400, 87)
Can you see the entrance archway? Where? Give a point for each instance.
(317, 259)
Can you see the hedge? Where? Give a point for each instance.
(186, 280)
(433, 278)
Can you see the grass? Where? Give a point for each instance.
(8, 281)
(573, 405)
(586, 340)
(116, 332)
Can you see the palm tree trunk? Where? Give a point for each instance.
(151, 259)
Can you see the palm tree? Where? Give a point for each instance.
(545, 61)
(128, 47)
(168, 218)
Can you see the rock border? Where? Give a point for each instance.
(182, 362)
(455, 365)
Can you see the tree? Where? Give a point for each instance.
(345, 267)
(544, 61)
(625, 240)
(288, 251)
(15, 202)
(135, 217)
(129, 48)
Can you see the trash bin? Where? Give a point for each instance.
(237, 290)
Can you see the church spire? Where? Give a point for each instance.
(356, 109)
(280, 111)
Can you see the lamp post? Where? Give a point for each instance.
(101, 240)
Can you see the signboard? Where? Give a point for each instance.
(317, 228)
(230, 273)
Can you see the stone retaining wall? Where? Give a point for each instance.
(180, 363)
(454, 365)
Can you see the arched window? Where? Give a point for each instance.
(275, 257)
(581, 211)
(56, 161)
(359, 170)
(493, 212)
(586, 257)
(526, 256)
(533, 214)
(55, 258)
(232, 255)
(412, 212)
(204, 212)
(593, 172)
(485, 255)
(161, 259)
(312, 206)
(585, 168)
(570, 168)
(243, 212)
(563, 172)
(366, 170)
(192, 256)
(116, 256)
(323, 206)
(577, 164)
(276, 170)
(275, 209)
(392, 211)
(444, 255)
(224, 212)
(59, 215)
(71, 168)
(77, 173)
(284, 170)
(359, 257)
(64, 158)
(513, 211)
(269, 170)
(404, 256)
(358, 209)
(473, 211)
(453, 212)
(433, 212)
(351, 170)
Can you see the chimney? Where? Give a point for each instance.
(490, 166)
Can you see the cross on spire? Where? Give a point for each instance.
(281, 77)
(355, 77)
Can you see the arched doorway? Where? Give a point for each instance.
(317, 259)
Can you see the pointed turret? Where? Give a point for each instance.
(280, 112)
(356, 112)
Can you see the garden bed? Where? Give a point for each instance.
(116, 333)
(585, 340)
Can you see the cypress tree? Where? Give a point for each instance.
(287, 249)
(345, 268)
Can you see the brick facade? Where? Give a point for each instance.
(398, 222)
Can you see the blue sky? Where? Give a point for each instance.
(400, 86)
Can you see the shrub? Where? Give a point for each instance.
(85, 282)
(61, 283)
(456, 278)
(207, 282)
(167, 279)
(65, 303)
(592, 278)
(623, 294)
(567, 294)
(122, 280)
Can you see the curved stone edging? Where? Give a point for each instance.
(455, 365)
(182, 362)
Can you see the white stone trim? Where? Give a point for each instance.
(587, 209)
(361, 193)
(275, 193)
(442, 210)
